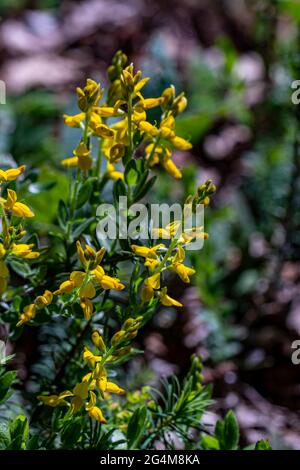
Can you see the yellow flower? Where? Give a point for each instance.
(150, 254)
(108, 111)
(76, 280)
(55, 400)
(166, 131)
(171, 168)
(28, 314)
(44, 299)
(116, 152)
(66, 287)
(85, 160)
(147, 293)
(148, 103)
(139, 114)
(153, 281)
(184, 272)
(87, 307)
(146, 252)
(167, 300)
(181, 143)
(74, 121)
(151, 263)
(89, 257)
(114, 147)
(18, 209)
(2, 251)
(99, 379)
(102, 130)
(23, 250)
(93, 410)
(11, 174)
(70, 162)
(98, 341)
(80, 393)
(82, 158)
(175, 229)
(148, 128)
(172, 103)
(89, 96)
(106, 281)
(132, 83)
(113, 174)
(172, 229)
(90, 358)
(30, 311)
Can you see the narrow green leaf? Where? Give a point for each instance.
(136, 427)
(84, 193)
(263, 444)
(231, 433)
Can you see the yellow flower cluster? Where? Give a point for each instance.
(128, 135)
(160, 258)
(30, 310)
(83, 395)
(11, 234)
(17, 208)
(125, 101)
(80, 285)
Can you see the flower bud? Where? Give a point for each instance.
(80, 253)
(98, 341)
(168, 96)
(123, 351)
(128, 323)
(118, 337)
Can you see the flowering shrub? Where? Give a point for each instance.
(71, 282)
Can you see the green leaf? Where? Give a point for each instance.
(263, 444)
(210, 443)
(19, 430)
(136, 427)
(62, 214)
(4, 436)
(84, 193)
(119, 190)
(71, 430)
(7, 379)
(21, 268)
(80, 228)
(219, 430)
(141, 191)
(4, 395)
(130, 173)
(231, 433)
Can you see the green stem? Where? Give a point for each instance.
(167, 254)
(153, 149)
(129, 118)
(99, 159)
(77, 179)
(86, 128)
